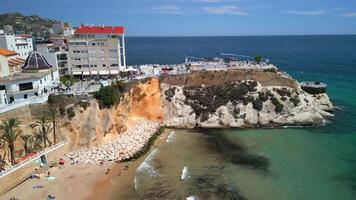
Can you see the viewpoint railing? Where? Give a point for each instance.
(25, 102)
(30, 159)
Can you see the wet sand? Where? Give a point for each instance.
(81, 182)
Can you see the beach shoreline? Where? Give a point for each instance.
(94, 181)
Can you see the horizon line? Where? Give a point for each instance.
(253, 35)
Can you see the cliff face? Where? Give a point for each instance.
(208, 100)
(266, 100)
(93, 127)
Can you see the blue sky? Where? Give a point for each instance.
(200, 17)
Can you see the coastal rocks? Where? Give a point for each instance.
(242, 104)
(123, 147)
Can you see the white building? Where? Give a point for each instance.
(68, 31)
(53, 55)
(30, 84)
(21, 44)
(97, 50)
(58, 28)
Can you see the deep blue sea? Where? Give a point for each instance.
(304, 163)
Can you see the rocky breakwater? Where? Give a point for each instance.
(123, 147)
(241, 99)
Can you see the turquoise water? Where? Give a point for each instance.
(290, 163)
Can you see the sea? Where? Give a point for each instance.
(306, 163)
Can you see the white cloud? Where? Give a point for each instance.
(229, 10)
(308, 12)
(351, 14)
(170, 9)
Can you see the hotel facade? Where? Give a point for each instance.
(21, 44)
(96, 50)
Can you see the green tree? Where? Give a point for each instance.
(43, 128)
(27, 139)
(53, 114)
(258, 59)
(107, 96)
(10, 131)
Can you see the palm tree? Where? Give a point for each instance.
(27, 139)
(10, 130)
(53, 115)
(2, 157)
(43, 128)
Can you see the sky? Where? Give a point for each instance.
(200, 17)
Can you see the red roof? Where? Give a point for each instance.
(99, 30)
(6, 52)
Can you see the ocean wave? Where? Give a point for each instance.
(146, 166)
(170, 136)
(135, 182)
(192, 198)
(185, 173)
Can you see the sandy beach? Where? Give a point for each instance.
(81, 182)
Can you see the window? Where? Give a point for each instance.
(2, 87)
(25, 86)
(104, 65)
(25, 96)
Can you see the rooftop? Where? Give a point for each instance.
(99, 30)
(6, 52)
(35, 61)
(20, 76)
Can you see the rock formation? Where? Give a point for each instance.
(241, 103)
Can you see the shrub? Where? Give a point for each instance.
(70, 112)
(107, 96)
(263, 96)
(62, 111)
(121, 86)
(257, 104)
(278, 107)
(170, 92)
(282, 92)
(84, 104)
(295, 100)
(67, 80)
(273, 70)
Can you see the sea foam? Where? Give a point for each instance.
(170, 136)
(185, 174)
(146, 166)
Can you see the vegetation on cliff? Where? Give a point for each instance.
(205, 100)
(107, 96)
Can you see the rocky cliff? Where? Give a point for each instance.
(93, 126)
(240, 99)
(237, 98)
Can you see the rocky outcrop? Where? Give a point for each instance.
(242, 104)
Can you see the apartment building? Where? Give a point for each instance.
(53, 55)
(96, 50)
(21, 44)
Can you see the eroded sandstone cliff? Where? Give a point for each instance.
(94, 126)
